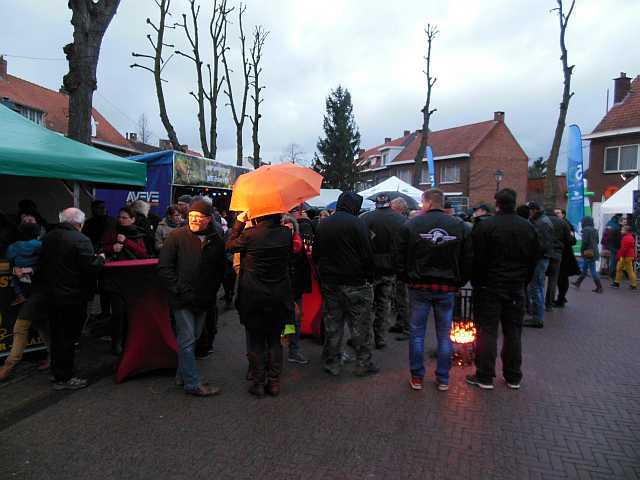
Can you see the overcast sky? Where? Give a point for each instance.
(490, 55)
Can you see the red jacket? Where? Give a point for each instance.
(131, 248)
(627, 247)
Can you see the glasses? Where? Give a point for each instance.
(197, 218)
(122, 217)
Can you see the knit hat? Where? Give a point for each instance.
(202, 207)
(184, 198)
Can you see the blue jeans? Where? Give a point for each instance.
(189, 326)
(613, 262)
(421, 302)
(590, 265)
(535, 290)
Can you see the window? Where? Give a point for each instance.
(459, 203)
(449, 173)
(405, 174)
(424, 174)
(35, 116)
(621, 159)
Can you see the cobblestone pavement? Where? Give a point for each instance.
(576, 416)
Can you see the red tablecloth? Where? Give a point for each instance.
(312, 308)
(150, 343)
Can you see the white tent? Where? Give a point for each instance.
(622, 200)
(393, 184)
(327, 195)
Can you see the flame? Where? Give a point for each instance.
(463, 332)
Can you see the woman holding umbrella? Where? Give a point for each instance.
(265, 299)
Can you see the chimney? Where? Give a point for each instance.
(406, 132)
(132, 136)
(387, 139)
(165, 144)
(3, 67)
(621, 86)
(498, 117)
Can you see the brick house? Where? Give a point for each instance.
(614, 154)
(466, 160)
(535, 190)
(51, 109)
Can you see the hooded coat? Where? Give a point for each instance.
(589, 238)
(341, 248)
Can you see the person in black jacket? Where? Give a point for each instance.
(191, 265)
(99, 224)
(384, 225)
(568, 266)
(265, 297)
(505, 252)
(434, 258)
(535, 289)
(64, 283)
(561, 239)
(342, 251)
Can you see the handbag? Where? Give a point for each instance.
(588, 253)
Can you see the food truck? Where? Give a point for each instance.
(171, 174)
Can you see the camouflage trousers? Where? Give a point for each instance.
(383, 292)
(401, 305)
(351, 305)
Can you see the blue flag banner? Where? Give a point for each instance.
(432, 168)
(575, 182)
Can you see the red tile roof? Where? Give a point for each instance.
(625, 114)
(55, 105)
(450, 141)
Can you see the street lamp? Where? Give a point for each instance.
(499, 177)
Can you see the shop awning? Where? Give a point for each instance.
(27, 149)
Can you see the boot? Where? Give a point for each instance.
(273, 387)
(578, 282)
(259, 374)
(274, 369)
(6, 369)
(598, 288)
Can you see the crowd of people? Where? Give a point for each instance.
(380, 271)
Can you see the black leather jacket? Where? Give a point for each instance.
(434, 248)
(384, 225)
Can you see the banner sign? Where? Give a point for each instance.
(201, 172)
(157, 192)
(431, 165)
(575, 182)
(8, 315)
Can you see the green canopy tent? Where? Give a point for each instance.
(34, 153)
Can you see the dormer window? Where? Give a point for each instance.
(35, 116)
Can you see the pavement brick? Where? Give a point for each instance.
(576, 416)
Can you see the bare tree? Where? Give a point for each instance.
(194, 41)
(552, 161)
(90, 20)
(144, 131)
(239, 114)
(259, 37)
(431, 32)
(218, 32)
(293, 153)
(158, 65)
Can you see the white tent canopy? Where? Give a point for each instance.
(622, 200)
(327, 195)
(393, 184)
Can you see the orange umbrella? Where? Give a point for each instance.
(274, 189)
